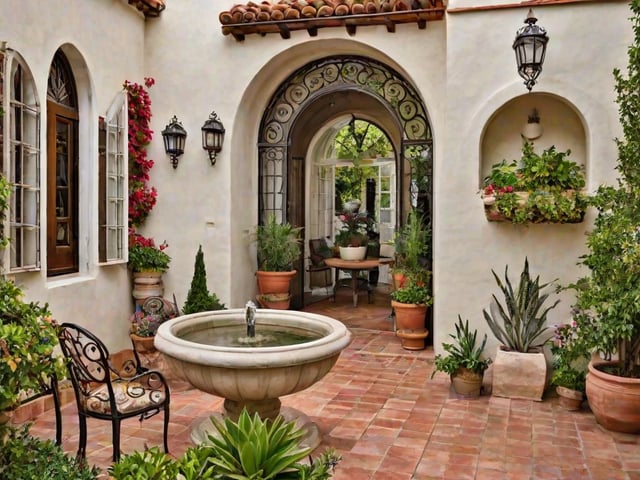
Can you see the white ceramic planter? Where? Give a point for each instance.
(353, 253)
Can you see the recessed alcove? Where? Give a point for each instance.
(561, 124)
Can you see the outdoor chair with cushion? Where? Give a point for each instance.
(319, 272)
(110, 392)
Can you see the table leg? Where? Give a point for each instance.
(355, 274)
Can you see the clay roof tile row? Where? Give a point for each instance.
(278, 10)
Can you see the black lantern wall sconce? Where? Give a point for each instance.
(530, 46)
(212, 136)
(174, 136)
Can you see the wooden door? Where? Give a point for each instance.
(296, 217)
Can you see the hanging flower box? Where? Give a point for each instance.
(568, 206)
(539, 188)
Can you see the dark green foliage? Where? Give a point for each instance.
(278, 245)
(199, 299)
(24, 457)
(463, 353)
(251, 449)
(607, 305)
(521, 324)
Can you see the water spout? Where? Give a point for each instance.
(250, 318)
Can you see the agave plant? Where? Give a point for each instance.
(522, 323)
(464, 353)
(260, 449)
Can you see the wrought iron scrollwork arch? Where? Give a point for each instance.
(307, 84)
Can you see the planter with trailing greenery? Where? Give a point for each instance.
(520, 325)
(607, 307)
(539, 188)
(199, 299)
(252, 448)
(464, 363)
(27, 341)
(147, 262)
(570, 362)
(278, 247)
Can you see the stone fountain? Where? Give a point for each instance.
(214, 352)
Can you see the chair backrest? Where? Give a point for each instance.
(319, 251)
(87, 359)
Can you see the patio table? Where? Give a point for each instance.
(354, 267)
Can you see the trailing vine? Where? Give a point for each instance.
(142, 196)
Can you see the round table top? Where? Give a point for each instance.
(365, 264)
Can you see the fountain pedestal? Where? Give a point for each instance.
(254, 376)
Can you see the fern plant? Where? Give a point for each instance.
(521, 324)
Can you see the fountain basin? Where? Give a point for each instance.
(252, 377)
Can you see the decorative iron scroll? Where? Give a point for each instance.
(305, 86)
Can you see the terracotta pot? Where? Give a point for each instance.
(274, 282)
(409, 316)
(353, 253)
(615, 401)
(143, 344)
(569, 399)
(467, 383)
(147, 284)
(278, 301)
(519, 375)
(413, 339)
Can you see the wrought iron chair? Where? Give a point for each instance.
(108, 393)
(319, 272)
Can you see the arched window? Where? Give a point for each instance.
(20, 163)
(62, 169)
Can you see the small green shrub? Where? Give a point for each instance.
(24, 457)
(278, 245)
(199, 299)
(413, 293)
(251, 449)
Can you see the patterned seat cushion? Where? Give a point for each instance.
(129, 395)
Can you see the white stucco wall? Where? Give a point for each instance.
(106, 41)
(463, 67)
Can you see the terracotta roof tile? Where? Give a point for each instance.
(150, 8)
(277, 10)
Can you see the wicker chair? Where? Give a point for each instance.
(108, 393)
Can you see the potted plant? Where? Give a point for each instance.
(464, 363)
(146, 320)
(352, 238)
(410, 304)
(27, 340)
(411, 245)
(570, 362)
(544, 187)
(607, 313)
(147, 262)
(278, 247)
(520, 367)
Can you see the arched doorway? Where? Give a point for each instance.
(317, 94)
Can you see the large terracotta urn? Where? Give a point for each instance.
(274, 282)
(615, 401)
(410, 324)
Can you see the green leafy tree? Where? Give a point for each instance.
(608, 306)
(199, 299)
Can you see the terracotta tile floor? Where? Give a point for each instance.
(379, 408)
